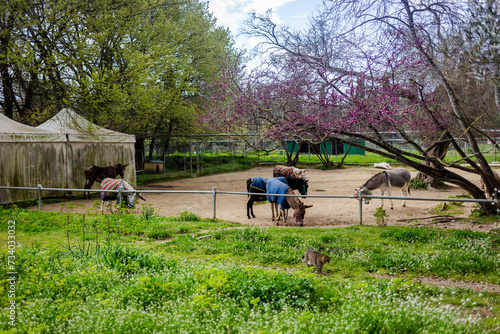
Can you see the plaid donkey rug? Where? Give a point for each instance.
(275, 186)
(110, 184)
(284, 171)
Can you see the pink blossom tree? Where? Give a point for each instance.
(370, 70)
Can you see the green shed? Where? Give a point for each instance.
(292, 147)
(354, 150)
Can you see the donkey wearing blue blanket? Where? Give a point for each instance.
(278, 188)
(257, 185)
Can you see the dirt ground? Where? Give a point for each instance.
(326, 212)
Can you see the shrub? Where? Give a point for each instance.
(188, 216)
(158, 232)
(127, 259)
(418, 184)
(380, 216)
(410, 234)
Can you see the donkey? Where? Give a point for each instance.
(287, 171)
(96, 173)
(113, 184)
(258, 185)
(275, 186)
(384, 181)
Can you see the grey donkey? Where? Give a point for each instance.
(385, 181)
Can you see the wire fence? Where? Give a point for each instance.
(214, 192)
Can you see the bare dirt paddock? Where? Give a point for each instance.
(326, 212)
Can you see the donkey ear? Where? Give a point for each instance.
(308, 206)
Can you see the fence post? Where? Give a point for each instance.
(39, 197)
(190, 158)
(360, 199)
(120, 189)
(214, 195)
(198, 152)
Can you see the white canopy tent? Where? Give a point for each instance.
(78, 129)
(12, 131)
(56, 153)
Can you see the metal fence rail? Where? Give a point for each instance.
(361, 198)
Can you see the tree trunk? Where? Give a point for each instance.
(151, 148)
(166, 146)
(8, 91)
(6, 26)
(497, 96)
(292, 159)
(139, 153)
(439, 151)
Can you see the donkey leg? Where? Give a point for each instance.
(272, 211)
(284, 217)
(278, 213)
(404, 190)
(88, 184)
(390, 199)
(250, 208)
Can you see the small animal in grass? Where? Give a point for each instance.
(314, 258)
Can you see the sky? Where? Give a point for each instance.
(231, 14)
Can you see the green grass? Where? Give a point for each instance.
(140, 273)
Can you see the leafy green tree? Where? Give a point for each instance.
(135, 66)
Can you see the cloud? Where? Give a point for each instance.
(231, 13)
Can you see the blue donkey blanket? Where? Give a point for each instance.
(275, 186)
(260, 183)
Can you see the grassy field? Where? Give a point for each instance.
(141, 273)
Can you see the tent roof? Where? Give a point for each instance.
(12, 131)
(77, 128)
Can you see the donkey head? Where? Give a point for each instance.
(131, 199)
(120, 169)
(303, 189)
(299, 173)
(300, 212)
(364, 191)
